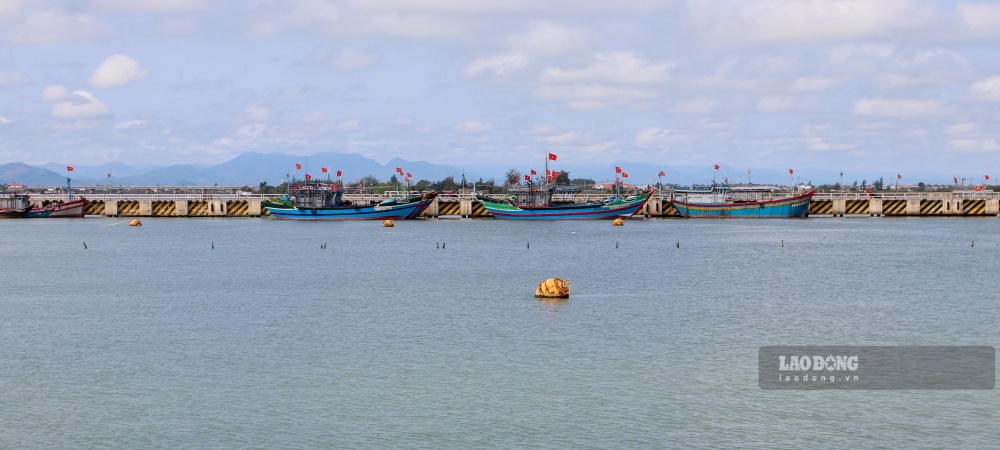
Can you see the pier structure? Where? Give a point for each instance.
(465, 206)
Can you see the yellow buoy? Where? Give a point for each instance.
(553, 288)
(135, 223)
(618, 222)
(388, 223)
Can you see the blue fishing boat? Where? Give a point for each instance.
(726, 201)
(326, 203)
(535, 205)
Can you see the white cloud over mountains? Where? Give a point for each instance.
(117, 70)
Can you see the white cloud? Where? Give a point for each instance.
(700, 105)
(349, 59)
(256, 113)
(10, 78)
(4, 120)
(961, 128)
(151, 6)
(986, 90)
(975, 145)
(749, 22)
(348, 125)
(614, 67)
(251, 131)
(660, 137)
(129, 124)
(275, 17)
(496, 65)
(92, 108)
(474, 126)
(896, 108)
(55, 93)
(117, 70)
(979, 19)
(592, 96)
(547, 39)
(49, 26)
(814, 84)
(775, 104)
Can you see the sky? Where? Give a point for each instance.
(903, 87)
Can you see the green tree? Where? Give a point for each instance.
(513, 177)
(563, 178)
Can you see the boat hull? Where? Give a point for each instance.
(73, 208)
(371, 212)
(797, 206)
(590, 211)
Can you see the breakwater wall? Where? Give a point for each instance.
(970, 204)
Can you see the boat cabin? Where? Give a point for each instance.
(723, 193)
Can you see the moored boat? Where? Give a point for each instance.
(14, 205)
(72, 208)
(319, 202)
(726, 201)
(538, 206)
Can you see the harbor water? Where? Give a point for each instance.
(258, 333)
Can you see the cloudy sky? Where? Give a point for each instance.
(891, 86)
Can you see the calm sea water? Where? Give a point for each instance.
(152, 338)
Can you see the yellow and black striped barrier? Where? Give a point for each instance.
(894, 207)
(670, 209)
(820, 207)
(478, 210)
(931, 207)
(237, 208)
(197, 209)
(449, 208)
(94, 208)
(128, 208)
(164, 209)
(859, 206)
(974, 207)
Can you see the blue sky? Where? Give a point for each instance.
(889, 86)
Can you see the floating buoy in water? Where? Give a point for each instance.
(618, 222)
(388, 223)
(135, 223)
(553, 288)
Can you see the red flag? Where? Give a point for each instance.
(618, 169)
(899, 177)
(661, 173)
(548, 173)
(987, 176)
(555, 174)
(956, 179)
(399, 170)
(552, 156)
(527, 178)
(790, 171)
(323, 170)
(624, 175)
(70, 169)
(308, 176)
(408, 175)
(748, 171)
(298, 166)
(407, 179)
(533, 172)
(716, 167)
(338, 173)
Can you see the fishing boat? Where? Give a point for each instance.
(727, 201)
(72, 208)
(534, 204)
(14, 205)
(69, 208)
(325, 202)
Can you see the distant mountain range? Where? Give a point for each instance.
(248, 169)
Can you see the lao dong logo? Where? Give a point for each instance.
(805, 363)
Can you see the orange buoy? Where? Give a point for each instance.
(618, 222)
(388, 223)
(553, 288)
